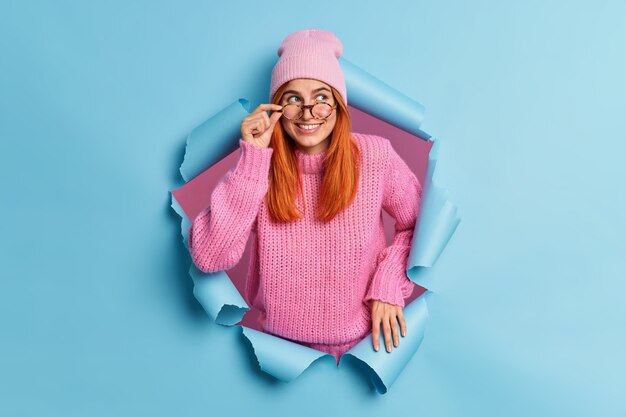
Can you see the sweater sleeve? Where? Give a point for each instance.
(402, 199)
(218, 235)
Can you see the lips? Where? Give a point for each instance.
(307, 124)
(309, 130)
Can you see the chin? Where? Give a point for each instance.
(309, 141)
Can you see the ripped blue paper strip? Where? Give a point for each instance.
(214, 291)
(218, 136)
(437, 222)
(213, 139)
(281, 358)
(373, 96)
(384, 367)
(286, 360)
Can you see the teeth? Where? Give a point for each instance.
(309, 127)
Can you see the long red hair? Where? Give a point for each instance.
(342, 168)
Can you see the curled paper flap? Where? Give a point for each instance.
(213, 139)
(184, 221)
(368, 93)
(384, 367)
(281, 358)
(396, 117)
(214, 291)
(218, 296)
(286, 360)
(437, 221)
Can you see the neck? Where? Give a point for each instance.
(311, 163)
(320, 148)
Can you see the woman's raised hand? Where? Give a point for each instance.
(388, 315)
(257, 127)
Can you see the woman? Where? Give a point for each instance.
(312, 193)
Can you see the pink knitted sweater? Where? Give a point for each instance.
(312, 280)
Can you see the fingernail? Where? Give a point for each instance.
(376, 348)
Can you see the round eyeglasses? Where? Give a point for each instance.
(321, 110)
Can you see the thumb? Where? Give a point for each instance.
(274, 118)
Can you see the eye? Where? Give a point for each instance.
(290, 101)
(324, 97)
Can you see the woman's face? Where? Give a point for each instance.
(305, 91)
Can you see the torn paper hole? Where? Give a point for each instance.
(212, 149)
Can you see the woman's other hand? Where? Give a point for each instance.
(388, 315)
(257, 127)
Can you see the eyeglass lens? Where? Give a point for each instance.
(319, 111)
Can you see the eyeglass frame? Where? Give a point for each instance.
(310, 107)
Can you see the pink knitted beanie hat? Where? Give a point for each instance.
(312, 53)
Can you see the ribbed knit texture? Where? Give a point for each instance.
(313, 280)
(310, 53)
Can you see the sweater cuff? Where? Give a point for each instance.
(389, 284)
(254, 162)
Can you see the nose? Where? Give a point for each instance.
(307, 113)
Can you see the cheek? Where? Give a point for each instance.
(331, 124)
(288, 126)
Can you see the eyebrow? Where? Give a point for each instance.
(314, 91)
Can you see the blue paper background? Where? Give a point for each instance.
(97, 315)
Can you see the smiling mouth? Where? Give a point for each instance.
(308, 126)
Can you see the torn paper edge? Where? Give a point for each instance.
(437, 221)
(295, 366)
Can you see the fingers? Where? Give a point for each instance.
(393, 323)
(274, 118)
(402, 322)
(257, 123)
(394, 330)
(268, 106)
(387, 333)
(376, 331)
(270, 121)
